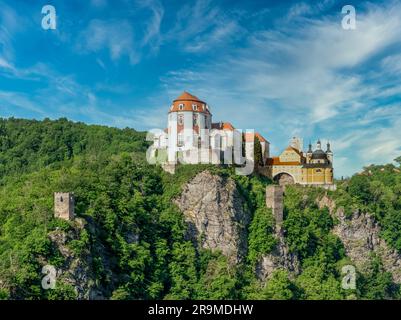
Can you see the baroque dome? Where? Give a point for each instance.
(319, 155)
(189, 102)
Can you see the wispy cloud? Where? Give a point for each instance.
(122, 37)
(13, 100)
(116, 36)
(202, 26)
(392, 64)
(5, 64)
(152, 29)
(8, 27)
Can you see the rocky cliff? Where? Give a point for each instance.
(217, 220)
(215, 213)
(360, 236)
(279, 258)
(77, 268)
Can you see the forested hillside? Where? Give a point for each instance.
(130, 239)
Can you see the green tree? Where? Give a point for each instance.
(359, 187)
(183, 271)
(218, 281)
(257, 151)
(261, 240)
(398, 160)
(280, 287)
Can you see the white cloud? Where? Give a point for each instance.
(374, 145)
(392, 64)
(60, 95)
(202, 26)
(125, 37)
(8, 27)
(152, 29)
(15, 100)
(4, 64)
(116, 36)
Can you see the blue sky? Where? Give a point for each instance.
(283, 68)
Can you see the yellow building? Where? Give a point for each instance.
(314, 167)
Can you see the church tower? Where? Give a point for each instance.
(318, 145)
(309, 153)
(187, 120)
(329, 153)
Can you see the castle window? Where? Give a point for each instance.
(180, 119)
(61, 199)
(195, 107)
(203, 107)
(318, 170)
(195, 119)
(181, 106)
(180, 141)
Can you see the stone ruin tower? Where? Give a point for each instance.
(64, 205)
(275, 201)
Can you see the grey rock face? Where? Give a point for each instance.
(214, 211)
(76, 270)
(360, 236)
(280, 258)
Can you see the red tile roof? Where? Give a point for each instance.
(187, 96)
(223, 126)
(187, 101)
(251, 137)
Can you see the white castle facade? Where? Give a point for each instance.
(191, 137)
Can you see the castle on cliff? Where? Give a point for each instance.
(191, 137)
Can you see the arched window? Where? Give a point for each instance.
(181, 106)
(194, 107)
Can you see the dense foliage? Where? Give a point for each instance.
(135, 235)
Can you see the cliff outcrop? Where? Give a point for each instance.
(360, 235)
(216, 215)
